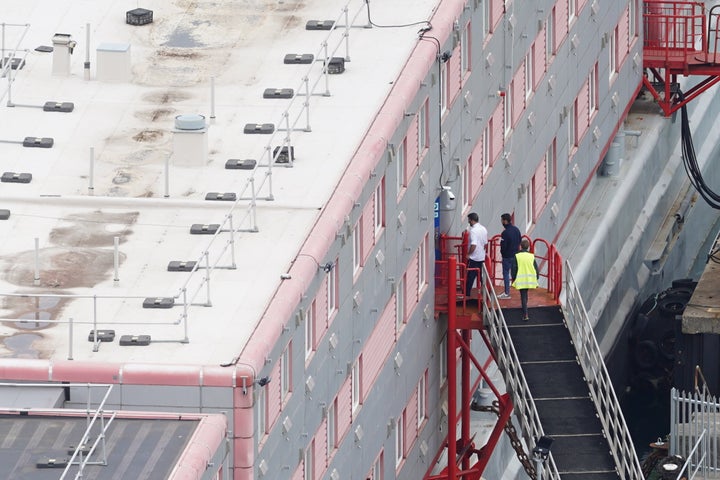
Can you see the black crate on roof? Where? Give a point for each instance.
(139, 16)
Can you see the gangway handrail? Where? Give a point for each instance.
(598, 381)
(509, 363)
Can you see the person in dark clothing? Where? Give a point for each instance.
(509, 246)
(525, 274)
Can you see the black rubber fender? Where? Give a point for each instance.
(673, 305)
(646, 354)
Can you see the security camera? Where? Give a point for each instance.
(451, 195)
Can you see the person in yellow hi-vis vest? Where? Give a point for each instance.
(525, 274)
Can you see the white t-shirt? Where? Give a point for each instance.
(478, 237)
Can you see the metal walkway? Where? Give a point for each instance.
(562, 398)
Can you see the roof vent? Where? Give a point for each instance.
(102, 335)
(64, 107)
(38, 142)
(284, 154)
(235, 164)
(52, 463)
(158, 302)
(12, 177)
(221, 196)
(336, 65)
(278, 93)
(319, 24)
(190, 122)
(139, 16)
(207, 229)
(298, 58)
(135, 340)
(177, 266)
(261, 128)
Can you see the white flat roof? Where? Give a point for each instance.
(129, 127)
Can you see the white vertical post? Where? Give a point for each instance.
(167, 176)
(212, 98)
(91, 175)
(36, 279)
(116, 259)
(70, 339)
(87, 51)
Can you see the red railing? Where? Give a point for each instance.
(674, 29)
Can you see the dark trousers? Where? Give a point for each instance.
(472, 274)
(524, 301)
(507, 266)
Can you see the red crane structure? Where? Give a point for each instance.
(681, 38)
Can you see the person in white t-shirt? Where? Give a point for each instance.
(476, 252)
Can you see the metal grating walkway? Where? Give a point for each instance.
(562, 398)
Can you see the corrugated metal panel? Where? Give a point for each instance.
(496, 11)
(580, 5)
(411, 430)
(497, 134)
(321, 309)
(299, 472)
(411, 285)
(540, 199)
(411, 150)
(561, 22)
(476, 170)
(378, 347)
(623, 40)
(344, 409)
(454, 76)
(583, 111)
(273, 396)
(367, 235)
(518, 87)
(320, 459)
(539, 57)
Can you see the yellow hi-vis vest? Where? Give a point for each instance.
(526, 275)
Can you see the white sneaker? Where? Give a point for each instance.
(503, 296)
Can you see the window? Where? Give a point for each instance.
(612, 52)
(400, 440)
(356, 244)
(529, 73)
(422, 399)
(331, 427)
(261, 410)
(592, 90)
(550, 37)
(332, 290)
(572, 11)
(309, 331)
(633, 19)
(400, 304)
(379, 206)
(422, 264)
(422, 128)
(550, 168)
(485, 17)
(355, 384)
(285, 373)
(400, 167)
(486, 148)
(508, 108)
(529, 204)
(308, 461)
(465, 49)
(376, 472)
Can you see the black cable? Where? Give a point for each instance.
(440, 61)
(690, 161)
(425, 22)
